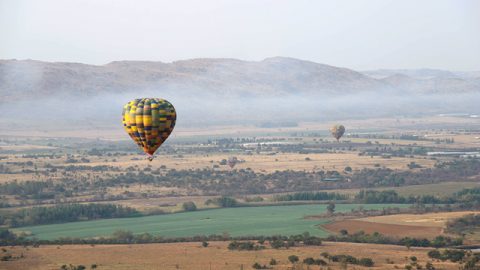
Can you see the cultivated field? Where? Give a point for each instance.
(428, 225)
(353, 226)
(426, 220)
(264, 220)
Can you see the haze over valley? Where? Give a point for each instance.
(276, 90)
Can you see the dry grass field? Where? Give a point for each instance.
(353, 226)
(258, 162)
(215, 257)
(402, 225)
(425, 220)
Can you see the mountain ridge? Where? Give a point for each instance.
(274, 76)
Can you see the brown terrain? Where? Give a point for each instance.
(353, 226)
(216, 256)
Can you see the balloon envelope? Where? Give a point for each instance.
(232, 161)
(149, 122)
(337, 131)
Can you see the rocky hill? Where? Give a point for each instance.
(219, 77)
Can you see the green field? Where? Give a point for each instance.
(242, 221)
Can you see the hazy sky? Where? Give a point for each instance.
(358, 34)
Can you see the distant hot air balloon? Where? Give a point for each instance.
(232, 161)
(337, 131)
(149, 122)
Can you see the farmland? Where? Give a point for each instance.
(55, 169)
(255, 221)
(428, 225)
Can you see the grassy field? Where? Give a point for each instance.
(266, 220)
(191, 256)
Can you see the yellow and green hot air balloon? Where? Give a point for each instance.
(337, 131)
(149, 122)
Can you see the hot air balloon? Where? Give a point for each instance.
(232, 161)
(337, 131)
(149, 122)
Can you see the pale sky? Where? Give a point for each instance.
(358, 34)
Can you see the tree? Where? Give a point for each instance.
(309, 261)
(225, 202)
(189, 206)
(123, 236)
(277, 243)
(367, 262)
(331, 208)
(204, 244)
(256, 266)
(273, 262)
(293, 258)
(429, 266)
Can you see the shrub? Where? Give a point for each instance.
(312, 241)
(434, 254)
(366, 262)
(189, 206)
(429, 266)
(259, 266)
(293, 258)
(309, 261)
(277, 243)
(244, 246)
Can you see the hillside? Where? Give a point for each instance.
(227, 91)
(226, 77)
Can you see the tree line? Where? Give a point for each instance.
(65, 213)
(311, 196)
(378, 238)
(469, 197)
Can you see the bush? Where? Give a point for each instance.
(123, 236)
(309, 261)
(244, 246)
(276, 244)
(429, 266)
(259, 266)
(273, 262)
(189, 206)
(366, 262)
(312, 241)
(344, 258)
(225, 202)
(293, 258)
